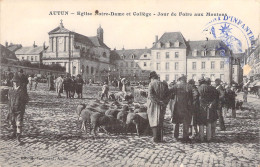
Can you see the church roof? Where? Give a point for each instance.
(171, 37)
(30, 50)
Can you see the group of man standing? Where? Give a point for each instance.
(70, 85)
(190, 106)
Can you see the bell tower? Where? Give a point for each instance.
(100, 33)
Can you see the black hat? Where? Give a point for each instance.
(182, 78)
(218, 80)
(153, 74)
(16, 78)
(191, 81)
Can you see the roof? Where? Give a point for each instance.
(208, 45)
(30, 50)
(6, 53)
(14, 47)
(171, 37)
(116, 54)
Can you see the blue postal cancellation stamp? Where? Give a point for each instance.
(232, 31)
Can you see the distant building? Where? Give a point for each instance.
(31, 53)
(252, 59)
(13, 47)
(132, 64)
(80, 54)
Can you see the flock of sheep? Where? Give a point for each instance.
(114, 115)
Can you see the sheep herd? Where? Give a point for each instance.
(114, 116)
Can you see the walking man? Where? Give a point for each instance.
(17, 99)
(156, 105)
(79, 86)
(221, 93)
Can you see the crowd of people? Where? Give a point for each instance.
(198, 107)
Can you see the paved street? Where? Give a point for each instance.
(52, 138)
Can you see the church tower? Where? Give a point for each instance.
(100, 33)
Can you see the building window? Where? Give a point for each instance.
(222, 64)
(167, 77)
(158, 55)
(158, 66)
(203, 65)
(194, 65)
(159, 45)
(132, 64)
(167, 65)
(74, 70)
(176, 54)
(213, 65)
(167, 55)
(126, 64)
(194, 53)
(176, 65)
(27, 57)
(31, 58)
(222, 77)
(144, 64)
(176, 77)
(213, 52)
(145, 56)
(87, 70)
(92, 70)
(176, 44)
(133, 56)
(22, 58)
(233, 70)
(167, 44)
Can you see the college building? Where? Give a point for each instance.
(171, 56)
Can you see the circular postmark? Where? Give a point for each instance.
(232, 31)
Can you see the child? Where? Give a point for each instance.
(17, 99)
(105, 90)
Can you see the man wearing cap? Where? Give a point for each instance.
(207, 115)
(182, 112)
(221, 93)
(156, 105)
(17, 100)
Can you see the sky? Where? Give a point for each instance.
(23, 22)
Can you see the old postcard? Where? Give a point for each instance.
(129, 83)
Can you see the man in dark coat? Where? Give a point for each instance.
(230, 100)
(23, 80)
(67, 85)
(51, 82)
(73, 86)
(221, 93)
(207, 115)
(196, 106)
(156, 105)
(17, 99)
(182, 112)
(79, 86)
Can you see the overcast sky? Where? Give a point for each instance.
(23, 22)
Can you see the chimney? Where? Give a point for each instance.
(207, 38)
(6, 44)
(156, 38)
(123, 48)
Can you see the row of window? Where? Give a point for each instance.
(33, 58)
(212, 65)
(167, 55)
(167, 66)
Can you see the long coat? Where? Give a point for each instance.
(183, 96)
(156, 102)
(59, 85)
(208, 104)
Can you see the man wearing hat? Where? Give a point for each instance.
(221, 93)
(156, 105)
(17, 100)
(182, 110)
(207, 115)
(79, 85)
